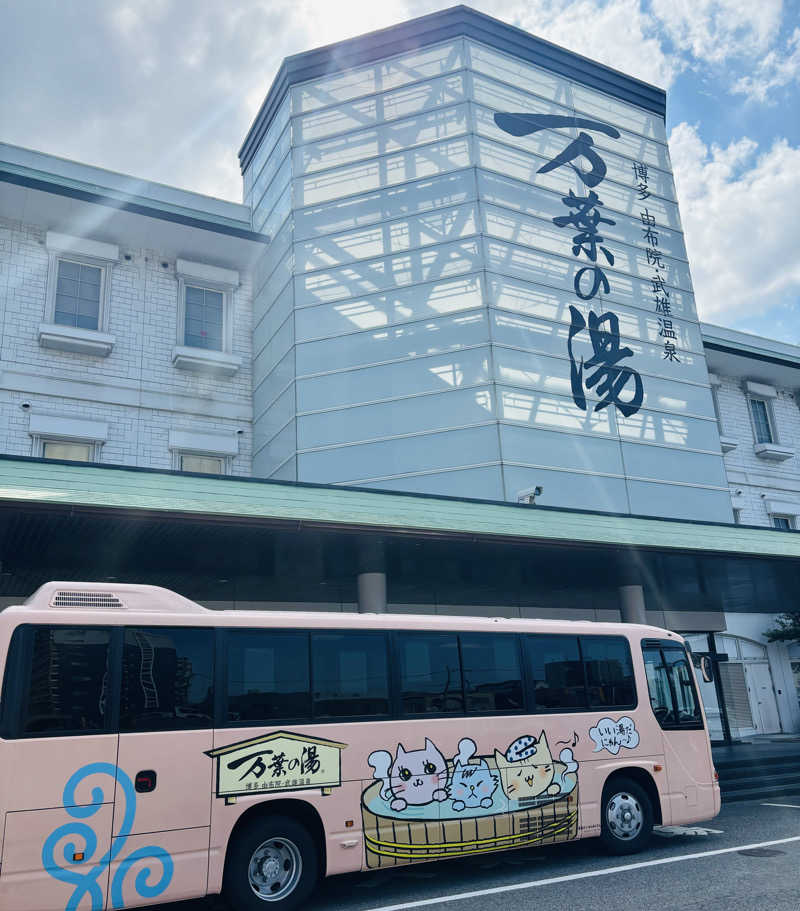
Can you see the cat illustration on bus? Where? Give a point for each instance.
(524, 774)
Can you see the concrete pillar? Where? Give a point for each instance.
(631, 599)
(371, 576)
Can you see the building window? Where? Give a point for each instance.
(202, 464)
(762, 423)
(737, 517)
(69, 451)
(78, 294)
(784, 522)
(203, 318)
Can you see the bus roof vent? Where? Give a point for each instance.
(98, 599)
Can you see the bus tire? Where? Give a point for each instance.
(626, 816)
(272, 863)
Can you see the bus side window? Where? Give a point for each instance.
(556, 673)
(268, 676)
(430, 674)
(609, 672)
(66, 679)
(492, 672)
(167, 679)
(350, 673)
(658, 687)
(682, 677)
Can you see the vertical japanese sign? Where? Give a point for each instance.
(666, 330)
(613, 382)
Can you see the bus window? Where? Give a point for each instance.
(350, 674)
(167, 679)
(556, 673)
(669, 680)
(268, 676)
(430, 674)
(609, 672)
(492, 672)
(66, 680)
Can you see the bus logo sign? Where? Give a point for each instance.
(281, 761)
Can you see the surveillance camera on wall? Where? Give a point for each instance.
(738, 492)
(537, 491)
(763, 496)
(25, 406)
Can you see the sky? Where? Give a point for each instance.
(167, 89)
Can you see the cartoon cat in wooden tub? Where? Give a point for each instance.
(424, 807)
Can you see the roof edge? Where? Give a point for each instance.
(444, 25)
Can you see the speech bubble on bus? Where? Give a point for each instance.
(612, 735)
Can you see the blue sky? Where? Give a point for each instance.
(166, 90)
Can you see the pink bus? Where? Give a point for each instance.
(153, 750)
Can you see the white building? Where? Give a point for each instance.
(420, 293)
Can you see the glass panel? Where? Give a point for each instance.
(167, 679)
(556, 672)
(72, 452)
(77, 295)
(683, 685)
(430, 673)
(203, 328)
(268, 677)
(609, 672)
(763, 433)
(492, 673)
(68, 682)
(784, 522)
(658, 687)
(350, 673)
(201, 464)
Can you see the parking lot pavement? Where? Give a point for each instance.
(748, 857)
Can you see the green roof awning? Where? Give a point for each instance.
(40, 483)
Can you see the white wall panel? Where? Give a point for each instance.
(432, 336)
(387, 74)
(570, 490)
(426, 452)
(388, 237)
(424, 374)
(563, 450)
(381, 310)
(673, 501)
(390, 272)
(485, 482)
(455, 408)
(396, 202)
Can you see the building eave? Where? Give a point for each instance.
(33, 482)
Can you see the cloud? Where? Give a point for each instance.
(741, 227)
(713, 31)
(774, 71)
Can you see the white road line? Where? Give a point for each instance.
(794, 806)
(606, 871)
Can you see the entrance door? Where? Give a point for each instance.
(57, 768)
(163, 805)
(762, 697)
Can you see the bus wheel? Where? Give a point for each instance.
(272, 863)
(627, 816)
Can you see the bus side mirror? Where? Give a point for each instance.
(707, 668)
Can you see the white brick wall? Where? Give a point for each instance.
(759, 480)
(136, 389)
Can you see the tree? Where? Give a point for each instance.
(787, 628)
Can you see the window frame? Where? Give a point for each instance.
(103, 307)
(226, 461)
(185, 280)
(790, 520)
(40, 441)
(665, 646)
(767, 402)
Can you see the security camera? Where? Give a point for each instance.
(537, 491)
(25, 406)
(763, 496)
(239, 432)
(738, 492)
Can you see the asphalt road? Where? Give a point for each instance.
(704, 869)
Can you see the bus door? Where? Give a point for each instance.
(687, 756)
(163, 802)
(57, 767)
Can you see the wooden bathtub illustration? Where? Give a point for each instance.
(437, 831)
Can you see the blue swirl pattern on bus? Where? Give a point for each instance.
(82, 841)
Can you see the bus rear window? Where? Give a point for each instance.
(67, 679)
